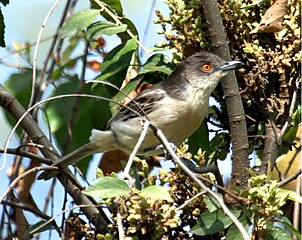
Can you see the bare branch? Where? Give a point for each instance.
(234, 104)
(158, 133)
(94, 214)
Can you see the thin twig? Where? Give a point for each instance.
(50, 99)
(224, 190)
(23, 175)
(291, 110)
(126, 171)
(168, 147)
(37, 49)
(32, 210)
(190, 200)
(119, 23)
(17, 151)
(290, 178)
(121, 232)
(62, 212)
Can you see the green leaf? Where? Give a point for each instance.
(107, 187)
(78, 22)
(117, 60)
(156, 192)
(234, 233)
(213, 222)
(112, 4)
(104, 28)
(218, 147)
(120, 96)
(38, 227)
(19, 85)
(291, 195)
(157, 63)
(289, 225)
(199, 139)
(212, 204)
(279, 234)
(2, 29)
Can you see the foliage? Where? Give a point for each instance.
(169, 204)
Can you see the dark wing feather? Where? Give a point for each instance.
(142, 104)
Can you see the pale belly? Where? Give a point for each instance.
(176, 129)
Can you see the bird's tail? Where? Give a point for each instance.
(100, 141)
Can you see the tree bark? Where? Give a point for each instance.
(238, 131)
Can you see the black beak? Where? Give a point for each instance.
(230, 65)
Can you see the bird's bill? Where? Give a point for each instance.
(230, 65)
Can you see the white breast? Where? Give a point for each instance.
(178, 119)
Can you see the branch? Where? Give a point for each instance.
(94, 214)
(158, 133)
(233, 100)
(119, 23)
(290, 178)
(32, 210)
(19, 152)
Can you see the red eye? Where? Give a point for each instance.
(206, 67)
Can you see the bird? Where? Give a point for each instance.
(177, 106)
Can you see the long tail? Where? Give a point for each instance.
(100, 141)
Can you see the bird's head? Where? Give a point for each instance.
(204, 70)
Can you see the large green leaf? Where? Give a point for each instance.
(218, 147)
(199, 139)
(116, 61)
(289, 225)
(278, 233)
(213, 222)
(234, 233)
(78, 22)
(107, 187)
(104, 27)
(157, 63)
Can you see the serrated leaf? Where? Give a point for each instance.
(104, 28)
(157, 193)
(213, 222)
(107, 187)
(78, 22)
(2, 29)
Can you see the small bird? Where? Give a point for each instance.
(177, 106)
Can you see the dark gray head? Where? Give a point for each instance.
(202, 71)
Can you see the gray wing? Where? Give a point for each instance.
(142, 104)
